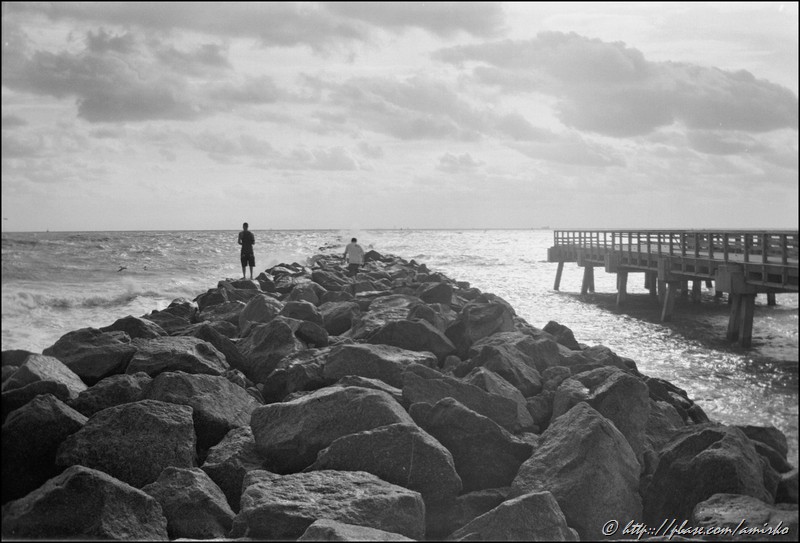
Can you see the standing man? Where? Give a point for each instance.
(247, 240)
(354, 256)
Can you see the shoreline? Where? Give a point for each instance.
(328, 368)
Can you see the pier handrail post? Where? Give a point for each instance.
(764, 247)
(725, 247)
(696, 245)
(710, 237)
(683, 244)
(746, 247)
(671, 246)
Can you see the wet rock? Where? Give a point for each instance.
(494, 384)
(99, 507)
(283, 507)
(133, 442)
(302, 310)
(508, 362)
(380, 311)
(222, 342)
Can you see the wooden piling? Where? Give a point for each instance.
(622, 285)
(558, 275)
(669, 300)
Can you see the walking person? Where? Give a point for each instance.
(247, 240)
(354, 256)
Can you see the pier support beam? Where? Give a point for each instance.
(588, 280)
(697, 291)
(622, 286)
(771, 299)
(558, 275)
(740, 323)
(669, 300)
(650, 279)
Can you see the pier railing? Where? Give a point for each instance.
(741, 263)
(739, 246)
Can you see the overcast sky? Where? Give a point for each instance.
(184, 116)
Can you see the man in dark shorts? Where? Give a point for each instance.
(247, 240)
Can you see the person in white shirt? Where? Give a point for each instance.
(354, 256)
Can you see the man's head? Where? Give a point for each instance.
(354, 240)
(244, 225)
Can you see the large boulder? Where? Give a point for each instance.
(194, 506)
(402, 454)
(485, 455)
(38, 368)
(30, 438)
(618, 396)
(477, 320)
(133, 442)
(701, 461)
(135, 327)
(562, 335)
(217, 405)
(230, 460)
(93, 354)
(85, 504)
(508, 362)
(222, 342)
(183, 353)
(302, 310)
(259, 310)
(416, 335)
(589, 467)
(744, 518)
(530, 517)
(283, 507)
(338, 316)
(290, 434)
(111, 391)
(436, 293)
(381, 311)
(376, 361)
(265, 345)
(333, 530)
(435, 386)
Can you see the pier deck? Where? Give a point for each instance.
(740, 263)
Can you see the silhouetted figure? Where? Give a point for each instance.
(354, 256)
(247, 240)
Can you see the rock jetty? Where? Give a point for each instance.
(397, 405)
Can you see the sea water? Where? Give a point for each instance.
(56, 282)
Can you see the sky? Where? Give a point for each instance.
(200, 116)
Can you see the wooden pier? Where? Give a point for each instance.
(740, 263)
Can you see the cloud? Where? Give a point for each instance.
(611, 89)
(423, 108)
(572, 149)
(458, 163)
(336, 158)
(440, 18)
(108, 83)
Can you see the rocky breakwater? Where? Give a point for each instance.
(399, 405)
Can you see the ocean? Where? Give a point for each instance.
(56, 282)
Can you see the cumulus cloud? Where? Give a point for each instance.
(441, 18)
(611, 89)
(336, 158)
(573, 150)
(458, 163)
(419, 108)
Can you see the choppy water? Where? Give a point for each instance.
(53, 283)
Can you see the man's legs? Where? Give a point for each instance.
(251, 272)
